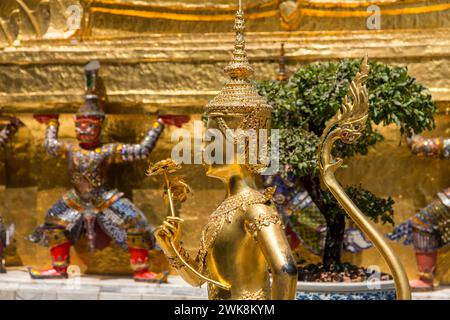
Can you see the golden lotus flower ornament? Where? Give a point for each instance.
(163, 167)
(175, 189)
(180, 190)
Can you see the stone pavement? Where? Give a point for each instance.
(442, 293)
(17, 285)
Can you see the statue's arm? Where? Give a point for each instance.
(429, 147)
(265, 225)
(9, 131)
(171, 231)
(52, 144)
(121, 152)
(182, 269)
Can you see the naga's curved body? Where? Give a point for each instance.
(347, 126)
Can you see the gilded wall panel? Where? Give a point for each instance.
(25, 20)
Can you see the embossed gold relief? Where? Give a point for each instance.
(290, 14)
(299, 14)
(51, 19)
(175, 16)
(65, 19)
(47, 78)
(279, 15)
(9, 28)
(33, 18)
(22, 20)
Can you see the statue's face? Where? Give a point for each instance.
(220, 168)
(88, 129)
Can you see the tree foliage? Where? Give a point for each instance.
(375, 208)
(304, 104)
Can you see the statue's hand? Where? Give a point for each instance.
(172, 120)
(16, 122)
(169, 231)
(45, 118)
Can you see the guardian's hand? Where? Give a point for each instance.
(16, 122)
(172, 120)
(45, 118)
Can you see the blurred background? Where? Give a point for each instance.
(167, 57)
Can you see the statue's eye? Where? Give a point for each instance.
(357, 126)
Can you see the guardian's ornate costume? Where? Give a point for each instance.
(6, 233)
(9, 131)
(92, 207)
(429, 229)
(244, 236)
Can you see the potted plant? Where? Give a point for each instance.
(302, 106)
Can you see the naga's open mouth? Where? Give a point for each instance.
(350, 137)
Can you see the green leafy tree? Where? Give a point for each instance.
(304, 104)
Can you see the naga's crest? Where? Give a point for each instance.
(349, 122)
(351, 119)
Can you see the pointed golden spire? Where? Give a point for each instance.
(239, 66)
(239, 105)
(282, 75)
(239, 97)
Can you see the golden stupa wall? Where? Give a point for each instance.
(167, 57)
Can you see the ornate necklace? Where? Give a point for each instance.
(85, 160)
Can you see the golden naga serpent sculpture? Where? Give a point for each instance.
(347, 125)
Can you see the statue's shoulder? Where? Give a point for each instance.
(260, 202)
(246, 199)
(261, 197)
(262, 213)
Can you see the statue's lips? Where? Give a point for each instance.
(88, 137)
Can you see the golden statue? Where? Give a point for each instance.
(347, 126)
(244, 237)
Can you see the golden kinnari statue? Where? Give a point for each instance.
(244, 237)
(347, 126)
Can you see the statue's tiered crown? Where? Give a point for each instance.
(239, 97)
(91, 107)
